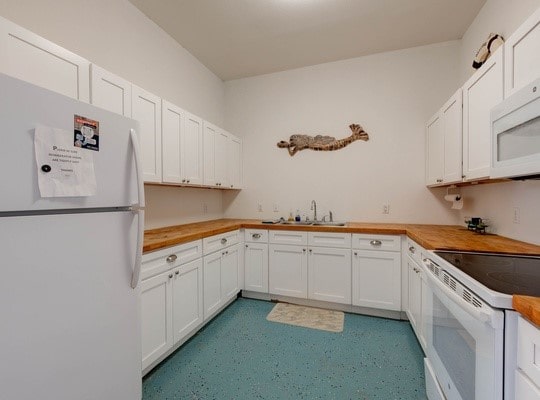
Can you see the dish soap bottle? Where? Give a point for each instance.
(297, 218)
(291, 218)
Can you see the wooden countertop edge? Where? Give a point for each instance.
(528, 306)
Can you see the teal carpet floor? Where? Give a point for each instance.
(240, 355)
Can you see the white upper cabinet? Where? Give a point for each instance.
(215, 145)
(452, 114)
(173, 125)
(181, 146)
(29, 57)
(109, 91)
(235, 162)
(522, 55)
(435, 150)
(146, 108)
(192, 150)
(481, 93)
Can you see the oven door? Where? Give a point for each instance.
(464, 341)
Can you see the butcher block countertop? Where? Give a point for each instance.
(528, 306)
(431, 237)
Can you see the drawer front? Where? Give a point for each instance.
(414, 250)
(256, 236)
(162, 260)
(330, 239)
(364, 241)
(289, 237)
(528, 359)
(218, 242)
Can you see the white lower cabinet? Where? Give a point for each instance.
(329, 274)
(221, 280)
(417, 292)
(527, 373)
(376, 279)
(171, 308)
(187, 299)
(256, 267)
(287, 271)
(376, 271)
(156, 317)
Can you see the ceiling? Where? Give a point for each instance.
(241, 38)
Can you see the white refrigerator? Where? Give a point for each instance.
(69, 295)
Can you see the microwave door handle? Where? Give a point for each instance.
(485, 316)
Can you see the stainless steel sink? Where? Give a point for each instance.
(296, 223)
(328, 223)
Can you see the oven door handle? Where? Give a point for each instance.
(483, 315)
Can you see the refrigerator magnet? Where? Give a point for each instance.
(86, 133)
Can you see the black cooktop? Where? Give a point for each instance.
(500, 272)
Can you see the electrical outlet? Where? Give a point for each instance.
(276, 207)
(517, 217)
(205, 208)
(386, 209)
(259, 207)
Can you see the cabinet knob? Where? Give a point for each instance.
(224, 240)
(439, 180)
(412, 249)
(183, 180)
(187, 181)
(172, 258)
(463, 176)
(356, 253)
(311, 250)
(170, 276)
(375, 242)
(304, 250)
(246, 246)
(256, 236)
(232, 186)
(177, 272)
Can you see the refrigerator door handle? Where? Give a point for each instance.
(138, 254)
(138, 167)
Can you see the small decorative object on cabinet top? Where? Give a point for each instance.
(492, 43)
(322, 143)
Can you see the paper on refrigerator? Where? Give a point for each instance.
(64, 170)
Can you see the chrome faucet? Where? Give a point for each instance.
(314, 209)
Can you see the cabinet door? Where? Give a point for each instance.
(235, 162)
(29, 57)
(452, 113)
(192, 150)
(521, 55)
(209, 145)
(329, 274)
(109, 91)
(287, 270)
(212, 284)
(481, 93)
(229, 273)
(414, 311)
(256, 267)
(435, 150)
(376, 279)
(173, 119)
(187, 294)
(156, 317)
(221, 163)
(146, 108)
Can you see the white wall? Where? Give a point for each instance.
(391, 94)
(497, 201)
(118, 37)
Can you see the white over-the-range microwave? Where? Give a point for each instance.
(515, 135)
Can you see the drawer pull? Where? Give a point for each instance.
(172, 258)
(375, 243)
(170, 276)
(412, 249)
(177, 272)
(224, 240)
(256, 236)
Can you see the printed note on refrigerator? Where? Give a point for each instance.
(64, 170)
